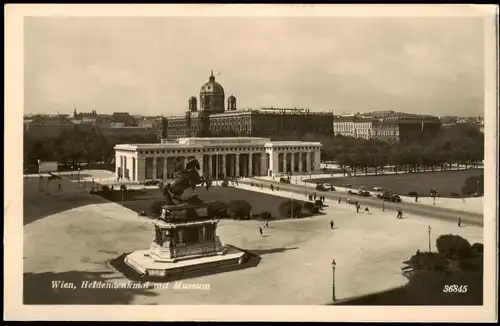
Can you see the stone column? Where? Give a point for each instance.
(134, 169)
(200, 160)
(117, 164)
(284, 163)
(292, 163)
(308, 162)
(317, 160)
(141, 168)
(237, 167)
(250, 165)
(274, 161)
(224, 165)
(263, 164)
(209, 174)
(154, 168)
(300, 162)
(165, 168)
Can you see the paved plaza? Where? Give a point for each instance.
(77, 243)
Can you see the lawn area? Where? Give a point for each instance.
(444, 182)
(142, 199)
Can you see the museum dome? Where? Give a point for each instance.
(212, 87)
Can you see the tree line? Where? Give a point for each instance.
(79, 145)
(462, 144)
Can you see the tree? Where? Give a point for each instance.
(288, 206)
(217, 209)
(239, 209)
(473, 184)
(453, 246)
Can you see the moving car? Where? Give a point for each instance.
(389, 196)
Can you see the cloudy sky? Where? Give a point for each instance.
(152, 66)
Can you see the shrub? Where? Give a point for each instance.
(478, 248)
(413, 194)
(453, 246)
(217, 209)
(311, 208)
(155, 209)
(239, 209)
(225, 183)
(286, 208)
(429, 261)
(105, 188)
(455, 194)
(474, 184)
(266, 215)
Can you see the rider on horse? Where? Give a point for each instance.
(183, 179)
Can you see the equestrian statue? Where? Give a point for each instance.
(185, 178)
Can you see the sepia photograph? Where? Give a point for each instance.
(276, 159)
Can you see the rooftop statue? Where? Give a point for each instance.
(185, 178)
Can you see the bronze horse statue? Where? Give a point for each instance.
(184, 179)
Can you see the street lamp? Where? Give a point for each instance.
(429, 230)
(78, 177)
(334, 265)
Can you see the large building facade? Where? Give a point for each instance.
(211, 118)
(219, 158)
(391, 128)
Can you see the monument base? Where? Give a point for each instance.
(142, 263)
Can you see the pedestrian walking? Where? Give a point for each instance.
(340, 200)
(459, 222)
(314, 196)
(272, 188)
(357, 208)
(59, 186)
(416, 199)
(277, 188)
(267, 224)
(260, 231)
(400, 214)
(331, 224)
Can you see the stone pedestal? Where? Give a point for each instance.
(184, 238)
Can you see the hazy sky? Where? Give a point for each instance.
(347, 64)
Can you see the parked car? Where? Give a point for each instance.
(284, 180)
(152, 182)
(327, 186)
(378, 189)
(320, 187)
(351, 201)
(364, 193)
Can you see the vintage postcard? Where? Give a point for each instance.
(251, 162)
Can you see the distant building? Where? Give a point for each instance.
(213, 119)
(388, 126)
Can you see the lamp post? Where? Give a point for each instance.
(78, 177)
(334, 265)
(429, 231)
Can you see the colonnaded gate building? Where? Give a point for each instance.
(219, 157)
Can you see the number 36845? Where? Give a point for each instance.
(454, 288)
